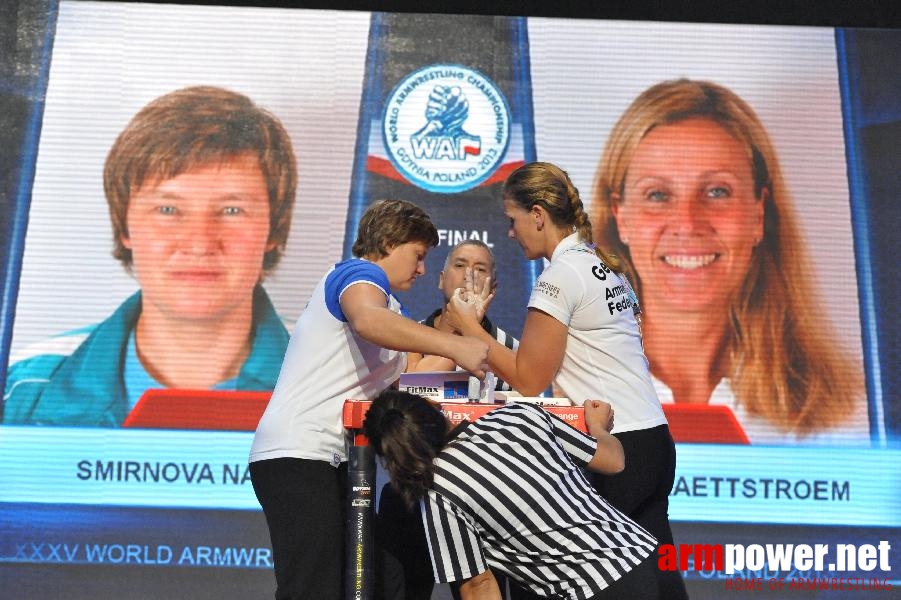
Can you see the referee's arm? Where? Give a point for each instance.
(481, 587)
(609, 457)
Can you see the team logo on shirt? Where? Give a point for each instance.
(548, 289)
(446, 128)
(600, 271)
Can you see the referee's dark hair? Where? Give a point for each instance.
(407, 431)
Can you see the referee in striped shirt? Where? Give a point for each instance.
(407, 569)
(477, 258)
(507, 493)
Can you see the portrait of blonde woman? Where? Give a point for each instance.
(690, 196)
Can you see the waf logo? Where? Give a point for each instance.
(446, 128)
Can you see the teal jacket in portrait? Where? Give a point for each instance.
(82, 385)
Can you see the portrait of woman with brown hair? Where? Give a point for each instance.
(691, 198)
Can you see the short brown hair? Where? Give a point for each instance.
(550, 187)
(192, 127)
(387, 224)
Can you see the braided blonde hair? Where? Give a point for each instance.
(550, 187)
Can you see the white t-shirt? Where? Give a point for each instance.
(325, 364)
(854, 430)
(604, 358)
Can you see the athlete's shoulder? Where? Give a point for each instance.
(355, 270)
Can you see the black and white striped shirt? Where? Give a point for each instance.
(509, 494)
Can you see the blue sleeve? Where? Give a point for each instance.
(347, 273)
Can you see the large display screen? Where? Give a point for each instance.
(110, 490)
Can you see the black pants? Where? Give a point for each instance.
(304, 504)
(404, 568)
(642, 490)
(637, 584)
